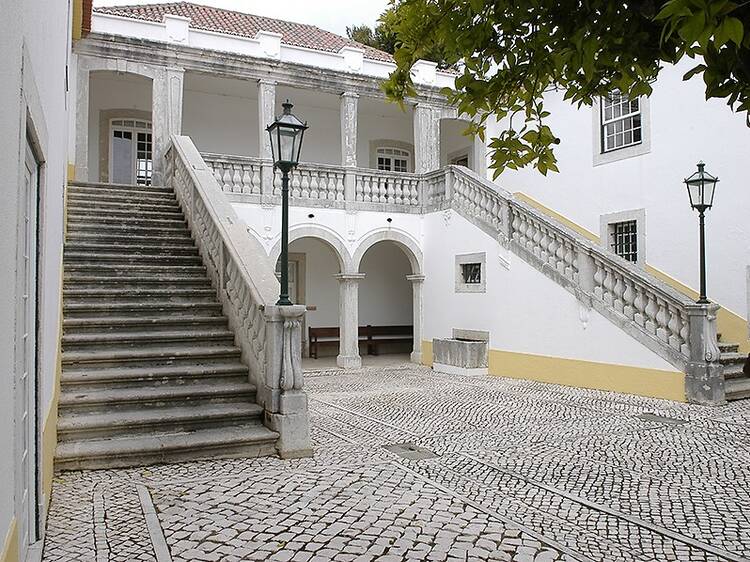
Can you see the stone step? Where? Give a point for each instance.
(120, 187)
(733, 371)
(95, 212)
(119, 239)
(104, 309)
(143, 421)
(168, 294)
(94, 258)
(152, 375)
(124, 324)
(141, 357)
(118, 279)
(247, 440)
(124, 222)
(732, 358)
(130, 248)
(129, 269)
(114, 195)
(148, 339)
(96, 205)
(176, 229)
(729, 347)
(737, 389)
(195, 393)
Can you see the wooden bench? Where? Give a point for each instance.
(370, 335)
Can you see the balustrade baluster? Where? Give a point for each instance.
(237, 178)
(651, 310)
(619, 291)
(255, 181)
(662, 319)
(674, 326)
(628, 297)
(609, 283)
(314, 193)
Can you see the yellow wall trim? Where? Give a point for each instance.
(77, 23)
(71, 172)
(732, 327)
(10, 546)
(652, 383)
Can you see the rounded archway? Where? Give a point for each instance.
(314, 266)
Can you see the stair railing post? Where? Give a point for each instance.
(704, 378)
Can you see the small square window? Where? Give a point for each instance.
(624, 241)
(471, 273)
(471, 276)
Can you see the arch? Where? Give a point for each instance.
(405, 241)
(119, 66)
(314, 231)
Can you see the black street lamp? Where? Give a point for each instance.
(700, 187)
(286, 143)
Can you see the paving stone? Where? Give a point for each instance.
(524, 472)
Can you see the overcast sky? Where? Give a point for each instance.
(333, 15)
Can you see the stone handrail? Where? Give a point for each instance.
(660, 317)
(268, 335)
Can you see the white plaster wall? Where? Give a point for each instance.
(351, 229)
(226, 123)
(453, 140)
(385, 292)
(377, 120)
(108, 90)
(322, 141)
(10, 122)
(685, 128)
(321, 287)
(41, 30)
(523, 310)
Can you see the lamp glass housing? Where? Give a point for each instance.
(701, 187)
(286, 134)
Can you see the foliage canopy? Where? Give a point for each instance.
(510, 52)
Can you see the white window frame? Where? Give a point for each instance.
(606, 229)
(118, 123)
(395, 152)
(480, 258)
(602, 156)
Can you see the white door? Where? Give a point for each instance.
(292, 277)
(27, 372)
(130, 152)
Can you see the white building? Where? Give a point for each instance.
(395, 231)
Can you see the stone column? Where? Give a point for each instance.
(266, 116)
(348, 357)
(426, 138)
(348, 116)
(416, 302)
(82, 121)
(704, 376)
(166, 115)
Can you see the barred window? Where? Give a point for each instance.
(625, 239)
(471, 273)
(620, 122)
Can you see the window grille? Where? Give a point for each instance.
(620, 121)
(471, 273)
(625, 239)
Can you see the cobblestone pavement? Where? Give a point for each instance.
(496, 469)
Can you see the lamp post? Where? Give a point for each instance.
(700, 188)
(286, 143)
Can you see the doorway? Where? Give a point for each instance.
(27, 383)
(130, 151)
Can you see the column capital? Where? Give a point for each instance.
(354, 95)
(349, 276)
(415, 278)
(267, 81)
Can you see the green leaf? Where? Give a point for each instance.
(735, 30)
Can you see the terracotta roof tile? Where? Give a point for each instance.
(245, 25)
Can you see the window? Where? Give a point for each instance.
(393, 159)
(624, 233)
(621, 122)
(624, 239)
(131, 151)
(462, 160)
(471, 273)
(471, 276)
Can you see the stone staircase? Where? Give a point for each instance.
(150, 369)
(736, 383)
